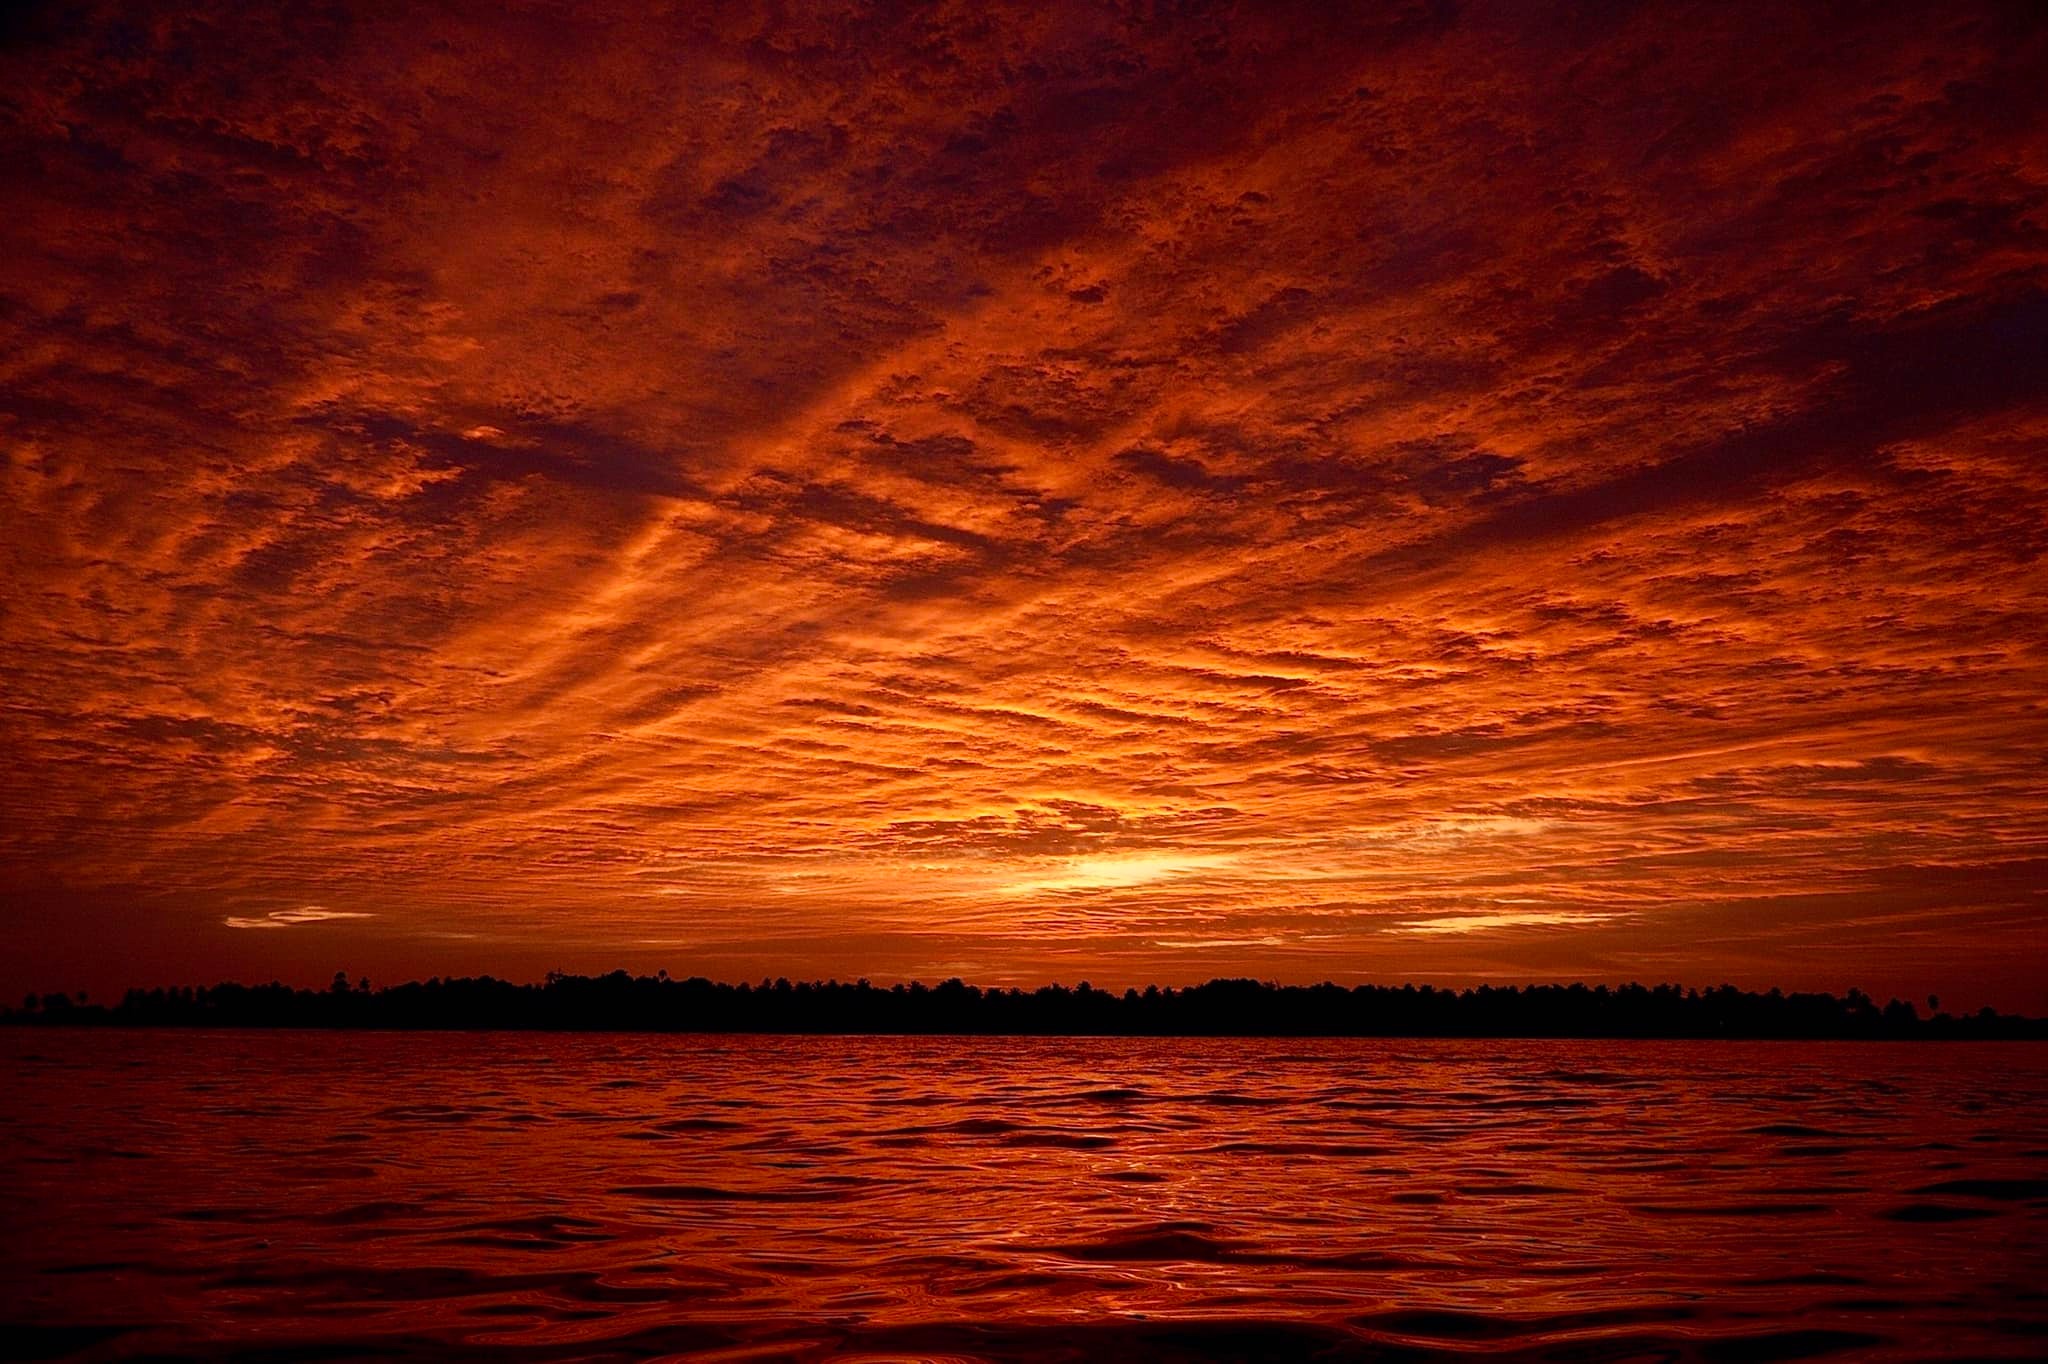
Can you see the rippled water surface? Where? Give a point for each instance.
(595, 1197)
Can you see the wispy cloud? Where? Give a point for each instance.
(292, 918)
(1492, 923)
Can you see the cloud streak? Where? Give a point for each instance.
(292, 918)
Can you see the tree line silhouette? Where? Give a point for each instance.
(1235, 1007)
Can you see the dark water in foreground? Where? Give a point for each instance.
(476, 1196)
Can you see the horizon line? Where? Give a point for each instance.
(1221, 1006)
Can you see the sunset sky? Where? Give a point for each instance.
(1437, 492)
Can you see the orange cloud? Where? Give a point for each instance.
(1470, 493)
(287, 918)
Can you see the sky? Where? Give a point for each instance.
(1451, 493)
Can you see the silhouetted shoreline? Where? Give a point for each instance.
(1220, 1008)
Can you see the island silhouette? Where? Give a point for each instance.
(620, 1001)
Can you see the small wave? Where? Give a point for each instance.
(362, 1213)
(1169, 1341)
(699, 1125)
(965, 1127)
(1510, 1189)
(1769, 1347)
(1596, 1078)
(33, 1341)
(253, 1216)
(705, 1193)
(1229, 1099)
(312, 1173)
(1937, 1212)
(1071, 1141)
(1434, 1324)
(543, 1224)
(1731, 1209)
(1324, 1150)
(547, 1244)
(1167, 1241)
(1537, 1103)
(2003, 1190)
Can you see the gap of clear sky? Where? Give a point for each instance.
(1436, 492)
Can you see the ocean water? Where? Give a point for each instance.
(591, 1197)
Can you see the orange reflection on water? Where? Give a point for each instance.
(607, 1196)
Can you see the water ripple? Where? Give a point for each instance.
(473, 1197)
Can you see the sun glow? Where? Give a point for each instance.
(1482, 923)
(1110, 873)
